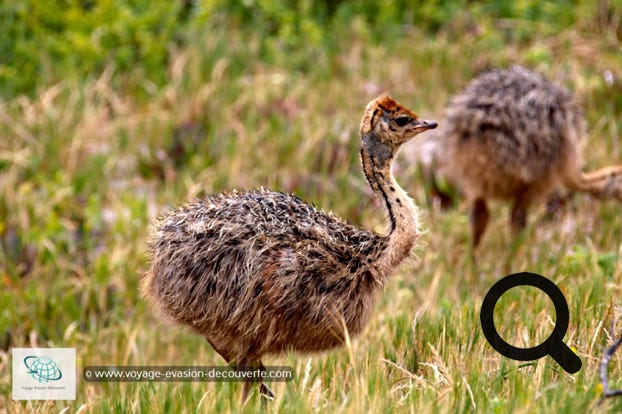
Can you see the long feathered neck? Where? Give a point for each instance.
(605, 182)
(377, 159)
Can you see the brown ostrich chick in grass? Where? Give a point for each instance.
(262, 272)
(513, 135)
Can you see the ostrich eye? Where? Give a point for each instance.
(402, 120)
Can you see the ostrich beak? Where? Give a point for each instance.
(425, 124)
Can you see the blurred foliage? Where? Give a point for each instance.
(60, 38)
(48, 41)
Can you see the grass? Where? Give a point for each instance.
(86, 168)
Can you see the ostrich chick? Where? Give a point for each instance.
(511, 134)
(261, 272)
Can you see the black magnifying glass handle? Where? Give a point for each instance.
(565, 357)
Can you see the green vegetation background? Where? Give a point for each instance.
(112, 111)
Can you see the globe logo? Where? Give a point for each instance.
(42, 368)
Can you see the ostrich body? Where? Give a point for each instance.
(511, 134)
(261, 272)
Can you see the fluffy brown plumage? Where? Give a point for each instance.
(511, 134)
(261, 272)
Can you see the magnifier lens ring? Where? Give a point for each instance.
(524, 279)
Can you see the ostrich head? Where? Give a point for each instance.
(386, 125)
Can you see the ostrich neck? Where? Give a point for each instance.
(377, 160)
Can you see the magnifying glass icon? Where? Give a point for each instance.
(553, 345)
